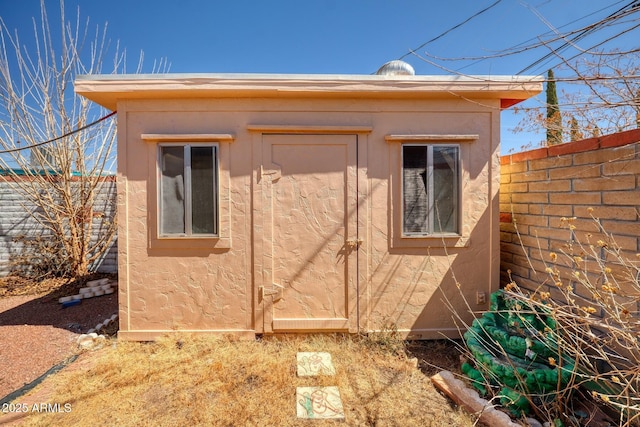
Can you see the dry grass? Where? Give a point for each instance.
(189, 380)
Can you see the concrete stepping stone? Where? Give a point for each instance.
(322, 403)
(311, 364)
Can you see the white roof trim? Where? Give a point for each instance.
(106, 90)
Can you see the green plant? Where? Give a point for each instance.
(582, 319)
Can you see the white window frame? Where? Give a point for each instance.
(188, 206)
(430, 191)
(423, 242)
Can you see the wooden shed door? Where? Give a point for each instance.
(309, 233)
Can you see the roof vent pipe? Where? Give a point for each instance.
(396, 68)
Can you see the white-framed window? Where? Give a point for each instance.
(188, 190)
(430, 189)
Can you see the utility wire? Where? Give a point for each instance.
(577, 34)
(631, 6)
(450, 29)
(541, 79)
(590, 49)
(13, 150)
(523, 47)
(526, 45)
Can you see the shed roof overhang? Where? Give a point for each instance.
(106, 90)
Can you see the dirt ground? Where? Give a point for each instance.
(37, 333)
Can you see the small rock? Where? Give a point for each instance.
(91, 341)
(85, 341)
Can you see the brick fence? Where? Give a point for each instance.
(551, 196)
(15, 222)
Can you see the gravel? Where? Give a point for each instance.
(36, 333)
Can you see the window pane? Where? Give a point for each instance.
(414, 185)
(445, 189)
(172, 190)
(202, 190)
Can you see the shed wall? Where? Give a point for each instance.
(401, 282)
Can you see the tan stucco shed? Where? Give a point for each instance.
(257, 204)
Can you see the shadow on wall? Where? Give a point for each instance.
(24, 240)
(429, 277)
(17, 228)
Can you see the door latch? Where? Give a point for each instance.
(354, 243)
(276, 292)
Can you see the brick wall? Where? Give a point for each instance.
(549, 196)
(15, 222)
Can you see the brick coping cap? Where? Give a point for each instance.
(607, 141)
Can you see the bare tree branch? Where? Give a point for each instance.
(65, 177)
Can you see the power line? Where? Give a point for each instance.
(522, 47)
(526, 45)
(590, 49)
(553, 31)
(572, 35)
(13, 150)
(450, 29)
(569, 79)
(629, 7)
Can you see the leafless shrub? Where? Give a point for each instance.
(39, 258)
(584, 320)
(54, 145)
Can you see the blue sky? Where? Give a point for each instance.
(335, 36)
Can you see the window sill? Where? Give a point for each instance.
(429, 236)
(185, 236)
(431, 241)
(190, 242)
